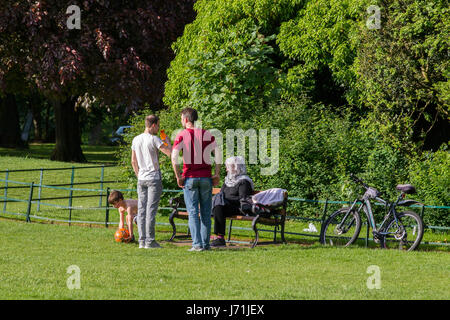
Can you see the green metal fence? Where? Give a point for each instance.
(102, 193)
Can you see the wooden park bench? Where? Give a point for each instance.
(276, 218)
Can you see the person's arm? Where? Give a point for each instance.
(121, 214)
(178, 176)
(167, 150)
(130, 221)
(217, 161)
(134, 163)
(216, 175)
(164, 146)
(245, 190)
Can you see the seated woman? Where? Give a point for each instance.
(238, 186)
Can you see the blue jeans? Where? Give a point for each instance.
(198, 191)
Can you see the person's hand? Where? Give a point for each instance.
(180, 181)
(127, 240)
(215, 180)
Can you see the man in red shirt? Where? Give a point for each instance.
(196, 180)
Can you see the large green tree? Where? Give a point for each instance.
(119, 54)
(324, 50)
(403, 72)
(308, 68)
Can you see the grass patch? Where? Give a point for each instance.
(90, 208)
(93, 154)
(34, 259)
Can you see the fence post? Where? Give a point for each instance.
(107, 208)
(40, 190)
(367, 234)
(30, 198)
(230, 226)
(6, 190)
(101, 185)
(324, 216)
(70, 194)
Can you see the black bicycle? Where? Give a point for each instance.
(402, 230)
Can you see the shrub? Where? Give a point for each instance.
(431, 177)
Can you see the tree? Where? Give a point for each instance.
(403, 72)
(13, 85)
(119, 54)
(9, 123)
(305, 67)
(320, 44)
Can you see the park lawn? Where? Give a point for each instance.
(34, 259)
(37, 158)
(93, 154)
(92, 209)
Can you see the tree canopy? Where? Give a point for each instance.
(118, 54)
(344, 96)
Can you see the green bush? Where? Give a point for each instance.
(431, 177)
(296, 66)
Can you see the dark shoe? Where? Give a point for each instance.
(219, 242)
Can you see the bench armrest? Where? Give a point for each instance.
(177, 202)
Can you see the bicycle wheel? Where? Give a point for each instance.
(337, 232)
(406, 235)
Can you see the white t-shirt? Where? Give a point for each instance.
(146, 146)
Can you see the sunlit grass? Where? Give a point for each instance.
(34, 259)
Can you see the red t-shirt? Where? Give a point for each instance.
(197, 145)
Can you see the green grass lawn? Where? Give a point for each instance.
(91, 209)
(93, 154)
(37, 157)
(34, 259)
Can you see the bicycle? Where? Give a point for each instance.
(398, 229)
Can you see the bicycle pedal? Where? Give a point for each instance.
(376, 237)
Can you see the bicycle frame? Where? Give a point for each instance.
(366, 206)
(392, 228)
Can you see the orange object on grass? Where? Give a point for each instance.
(121, 235)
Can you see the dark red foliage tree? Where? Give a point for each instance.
(119, 54)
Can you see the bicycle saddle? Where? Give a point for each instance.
(406, 188)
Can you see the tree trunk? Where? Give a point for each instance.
(36, 107)
(68, 136)
(49, 131)
(10, 136)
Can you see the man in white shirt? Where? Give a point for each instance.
(145, 162)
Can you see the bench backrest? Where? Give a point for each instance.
(282, 211)
(217, 190)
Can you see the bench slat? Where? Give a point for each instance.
(262, 220)
(272, 221)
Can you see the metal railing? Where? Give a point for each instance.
(102, 192)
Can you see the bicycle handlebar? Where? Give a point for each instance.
(371, 192)
(358, 180)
